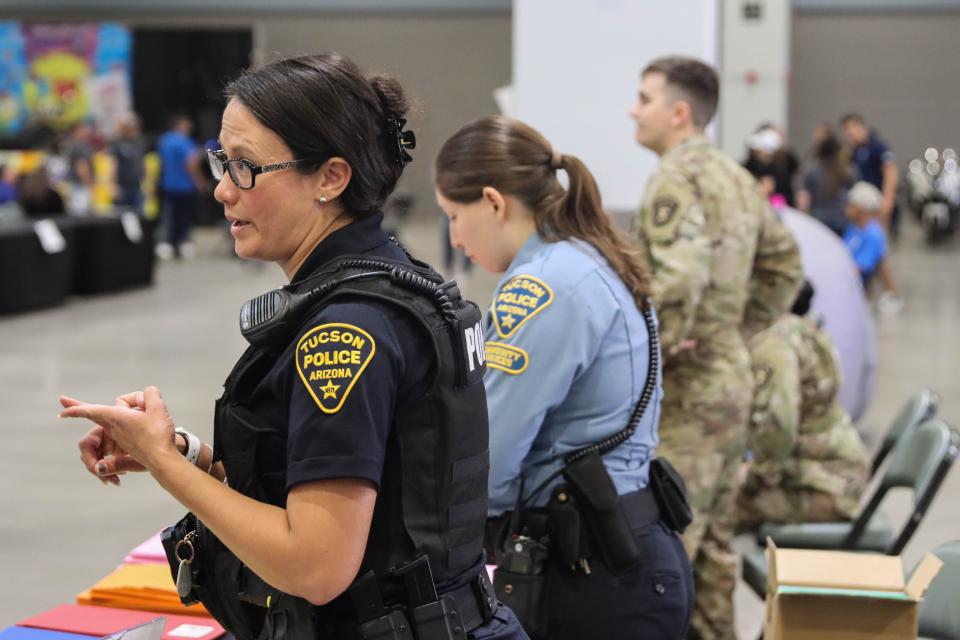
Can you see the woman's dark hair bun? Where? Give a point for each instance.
(392, 98)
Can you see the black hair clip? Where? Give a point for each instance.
(404, 140)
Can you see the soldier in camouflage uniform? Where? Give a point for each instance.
(724, 268)
(809, 463)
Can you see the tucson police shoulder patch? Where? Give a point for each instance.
(507, 358)
(518, 300)
(330, 358)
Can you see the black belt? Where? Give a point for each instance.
(641, 508)
(476, 602)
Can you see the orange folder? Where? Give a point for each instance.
(147, 587)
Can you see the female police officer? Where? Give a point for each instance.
(352, 433)
(570, 346)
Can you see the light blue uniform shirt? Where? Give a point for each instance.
(567, 354)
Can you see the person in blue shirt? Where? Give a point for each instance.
(179, 179)
(568, 352)
(867, 242)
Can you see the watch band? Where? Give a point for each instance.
(192, 454)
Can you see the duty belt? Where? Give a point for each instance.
(452, 614)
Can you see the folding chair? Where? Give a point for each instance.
(920, 463)
(878, 533)
(918, 409)
(939, 611)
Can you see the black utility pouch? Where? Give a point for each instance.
(670, 492)
(216, 575)
(526, 595)
(170, 537)
(519, 579)
(600, 508)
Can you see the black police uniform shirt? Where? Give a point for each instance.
(365, 357)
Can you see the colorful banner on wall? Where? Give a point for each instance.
(63, 74)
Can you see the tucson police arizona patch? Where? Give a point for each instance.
(518, 300)
(330, 359)
(507, 358)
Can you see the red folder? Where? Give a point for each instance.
(101, 621)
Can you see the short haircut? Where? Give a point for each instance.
(864, 195)
(852, 117)
(696, 81)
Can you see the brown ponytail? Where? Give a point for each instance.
(515, 159)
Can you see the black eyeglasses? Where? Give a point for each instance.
(243, 172)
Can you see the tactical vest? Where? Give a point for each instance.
(433, 491)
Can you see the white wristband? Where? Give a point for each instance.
(192, 454)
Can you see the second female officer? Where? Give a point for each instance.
(571, 348)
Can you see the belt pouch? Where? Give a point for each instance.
(600, 508)
(526, 595)
(671, 494)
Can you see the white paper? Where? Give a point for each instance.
(190, 631)
(49, 235)
(131, 226)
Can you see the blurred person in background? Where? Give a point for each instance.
(180, 182)
(37, 196)
(867, 242)
(826, 183)
(808, 461)
(77, 148)
(128, 150)
(875, 164)
(772, 163)
(8, 184)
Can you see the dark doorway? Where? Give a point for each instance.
(184, 71)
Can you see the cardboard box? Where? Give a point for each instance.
(815, 595)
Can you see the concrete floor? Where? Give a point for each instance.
(61, 530)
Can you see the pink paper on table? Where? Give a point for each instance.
(150, 551)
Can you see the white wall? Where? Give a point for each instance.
(576, 71)
(759, 48)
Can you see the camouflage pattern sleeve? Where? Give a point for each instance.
(775, 412)
(672, 228)
(776, 277)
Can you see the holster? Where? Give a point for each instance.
(670, 492)
(601, 512)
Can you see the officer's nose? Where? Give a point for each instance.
(455, 238)
(226, 192)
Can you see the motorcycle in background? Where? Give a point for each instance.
(932, 186)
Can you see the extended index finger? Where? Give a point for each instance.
(67, 401)
(101, 414)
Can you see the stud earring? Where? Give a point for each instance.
(323, 199)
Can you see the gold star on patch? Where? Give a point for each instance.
(508, 321)
(330, 390)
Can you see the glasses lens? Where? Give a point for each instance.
(216, 164)
(241, 173)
